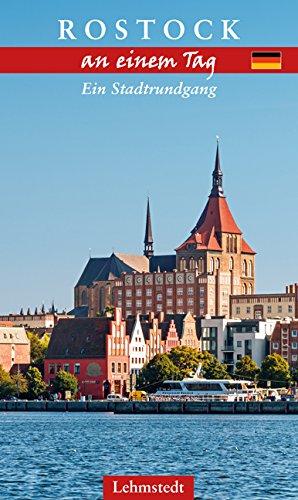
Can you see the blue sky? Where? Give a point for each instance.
(76, 170)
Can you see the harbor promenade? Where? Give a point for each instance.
(153, 407)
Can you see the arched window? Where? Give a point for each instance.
(244, 289)
(200, 265)
(191, 263)
(244, 267)
(212, 265)
(84, 298)
(101, 299)
(217, 263)
(228, 244)
(250, 289)
(249, 268)
(182, 264)
(231, 263)
(235, 244)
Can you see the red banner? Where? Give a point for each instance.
(144, 60)
(148, 487)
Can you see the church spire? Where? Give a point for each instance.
(148, 241)
(217, 175)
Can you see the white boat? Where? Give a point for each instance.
(201, 389)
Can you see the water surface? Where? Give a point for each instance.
(65, 455)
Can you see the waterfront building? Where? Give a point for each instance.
(266, 305)
(212, 264)
(229, 340)
(14, 348)
(284, 341)
(95, 350)
(137, 346)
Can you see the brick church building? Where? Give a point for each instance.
(213, 263)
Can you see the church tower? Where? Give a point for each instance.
(148, 240)
(217, 251)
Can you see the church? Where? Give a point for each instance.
(212, 264)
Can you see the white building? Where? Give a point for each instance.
(229, 340)
(137, 348)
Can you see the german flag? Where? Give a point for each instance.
(266, 60)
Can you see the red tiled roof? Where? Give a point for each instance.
(246, 248)
(216, 218)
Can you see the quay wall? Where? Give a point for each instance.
(154, 407)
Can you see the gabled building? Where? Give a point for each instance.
(14, 348)
(95, 350)
(284, 341)
(137, 347)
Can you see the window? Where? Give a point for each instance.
(119, 367)
(179, 291)
(211, 265)
(294, 357)
(169, 291)
(138, 303)
(244, 268)
(182, 264)
(269, 309)
(290, 309)
(239, 343)
(169, 302)
(148, 303)
(239, 356)
(294, 345)
(190, 302)
(294, 333)
(128, 293)
(77, 368)
(84, 299)
(202, 292)
(244, 289)
(52, 369)
(138, 292)
(275, 345)
(231, 263)
(250, 288)
(159, 307)
(179, 302)
(190, 290)
(279, 309)
(237, 310)
(128, 303)
(125, 367)
(217, 263)
(200, 265)
(250, 268)
(248, 310)
(66, 367)
(191, 263)
(149, 292)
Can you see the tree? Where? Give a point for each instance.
(186, 359)
(65, 381)
(7, 387)
(247, 368)
(276, 369)
(38, 349)
(160, 368)
(20, 384)
(36, 386)
(211, 367)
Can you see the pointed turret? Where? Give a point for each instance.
(217, 175)
(148, 241)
